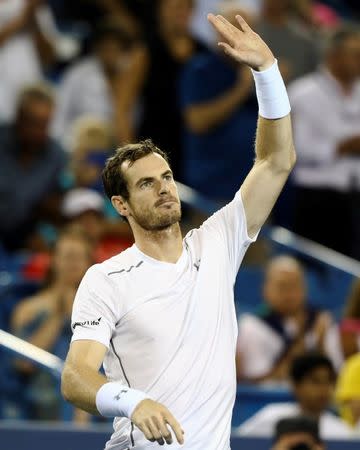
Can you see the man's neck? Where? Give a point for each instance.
(163, 245)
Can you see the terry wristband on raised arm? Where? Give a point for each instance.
(271, 93)
(116, 400)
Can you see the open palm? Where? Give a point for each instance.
(242, 43)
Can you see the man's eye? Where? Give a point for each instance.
(168, 177)
(146, 184)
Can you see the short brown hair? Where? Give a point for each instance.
(40, 91)
(113, 178)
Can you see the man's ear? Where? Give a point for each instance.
(120, 204)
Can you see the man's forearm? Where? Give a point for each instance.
(203, 117)
(79, 386)
(274, 143)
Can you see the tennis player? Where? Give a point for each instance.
(160, 316)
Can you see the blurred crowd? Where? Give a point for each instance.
(79, 78)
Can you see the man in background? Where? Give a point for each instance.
(300, 433)
(326, 108)
(30, 165)
(287, 326)
(312, 379)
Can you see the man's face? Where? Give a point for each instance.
(316, 390)
(176, 14)
(349, 58)
(154, 201)
(33, 122)
(284, 290)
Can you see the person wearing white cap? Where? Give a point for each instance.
(85, 207)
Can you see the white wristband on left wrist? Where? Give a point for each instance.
(116, 400)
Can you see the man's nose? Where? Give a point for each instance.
(164, 188)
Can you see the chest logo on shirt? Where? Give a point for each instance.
(197, 264)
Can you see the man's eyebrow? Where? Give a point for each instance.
(143, 179)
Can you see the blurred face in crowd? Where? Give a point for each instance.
(284, 288)
(33, 122)
(276, 6)
(111, 53)
(72, 258)
(175, 15)
(315, 391)
(92, 222)
(345, 59)
(153, 201)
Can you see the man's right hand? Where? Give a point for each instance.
(153, 418)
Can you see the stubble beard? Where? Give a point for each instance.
(155, 220)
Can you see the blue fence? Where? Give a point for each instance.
(27, 436)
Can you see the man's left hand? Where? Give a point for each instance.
(242, 44)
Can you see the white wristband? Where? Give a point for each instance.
(271, 93)
(117, 400)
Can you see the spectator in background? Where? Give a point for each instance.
(326, 117)
(343, 340)
(92, 140)
(44, 319)
(297, 53)
(288, 326)
(85, 208)
(312, 379)
(90, 145)
(315, 17)
(25, 49)
(200, 25)
(30, 165)
(348, 393)
(220, 111)
(169, 48)
(103, 85)
(298, 433)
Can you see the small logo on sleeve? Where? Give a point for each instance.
(197, 264)
(87, 323)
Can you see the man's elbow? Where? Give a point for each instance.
(284, 162)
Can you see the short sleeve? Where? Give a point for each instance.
(229, 226)
(96, 308)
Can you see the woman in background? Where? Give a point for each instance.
(44, 320)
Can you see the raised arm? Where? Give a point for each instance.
(275, 154)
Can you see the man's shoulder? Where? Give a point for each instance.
(124, 262)
(278, 410)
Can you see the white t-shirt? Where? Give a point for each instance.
(171, 328)
(263, 423)
(19, 60)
